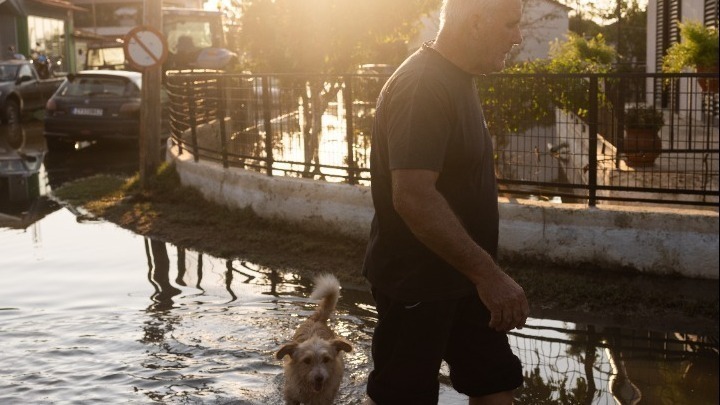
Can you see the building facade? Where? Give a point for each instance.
(33, 27)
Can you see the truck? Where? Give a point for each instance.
(22, 90)
(195, 40)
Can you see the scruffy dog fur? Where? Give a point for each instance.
(313, 361)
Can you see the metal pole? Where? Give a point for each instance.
(150, 114)
(350, 131)
(222, 106)
(267, 123)
(592, 141)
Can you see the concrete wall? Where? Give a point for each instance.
(662, 241)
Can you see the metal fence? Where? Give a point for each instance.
(557, 137)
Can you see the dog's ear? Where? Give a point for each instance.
(288, 348)
(341, 344)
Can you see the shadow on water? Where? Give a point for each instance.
(93, 313)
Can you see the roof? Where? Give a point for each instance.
(61, 4)
(14, 62)
(558, 4)
(17, 7)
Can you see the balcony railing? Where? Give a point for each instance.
(557, 137)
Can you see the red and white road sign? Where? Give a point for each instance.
(145, 47)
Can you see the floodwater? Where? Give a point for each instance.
(92, 313)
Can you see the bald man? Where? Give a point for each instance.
(431, 258)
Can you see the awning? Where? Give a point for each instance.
(13, 7)
(60, 4)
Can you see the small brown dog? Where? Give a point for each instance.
(313, 360)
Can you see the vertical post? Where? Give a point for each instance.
(620, 120)
(592, 141)
(222, 106)
(190, 86)
(150, 114)
(350, 130)
(267, 123)
(70, 56)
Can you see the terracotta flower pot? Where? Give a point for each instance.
(708, 85)
(642, 147)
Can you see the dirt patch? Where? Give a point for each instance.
(166, 211)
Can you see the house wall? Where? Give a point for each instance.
(689, 10)
(543, 22)
(8, 34)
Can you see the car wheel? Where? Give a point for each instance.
(11, 112)
(55, 144)
(15, 135)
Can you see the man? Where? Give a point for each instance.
(431, 256)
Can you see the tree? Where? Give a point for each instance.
(622, 23)
(328, 37)
(628, 34)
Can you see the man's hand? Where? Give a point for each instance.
(506, 301)
(432, 221)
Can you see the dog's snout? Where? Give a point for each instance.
(318, 382)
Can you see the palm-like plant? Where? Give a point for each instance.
(698, 48)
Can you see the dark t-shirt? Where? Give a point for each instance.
(429, 117)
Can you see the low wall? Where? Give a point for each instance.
(652, 240)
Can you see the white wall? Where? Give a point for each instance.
(689, 10)
(543, 22)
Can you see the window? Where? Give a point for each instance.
(46, 38)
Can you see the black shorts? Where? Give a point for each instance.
(411, 340)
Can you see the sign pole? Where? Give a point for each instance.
(150, 115)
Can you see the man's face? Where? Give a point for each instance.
(496, 32)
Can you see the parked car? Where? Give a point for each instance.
(94, 106)
(22, 91)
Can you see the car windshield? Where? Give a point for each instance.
(8, 73)
(105, 57)
(96, 86)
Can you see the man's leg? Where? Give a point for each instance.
(482, 364)
(408, 345)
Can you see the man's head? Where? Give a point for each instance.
(479, 33)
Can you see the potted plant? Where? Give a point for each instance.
(642, 141)
(698, 48)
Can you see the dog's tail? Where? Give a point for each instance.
(327, 290)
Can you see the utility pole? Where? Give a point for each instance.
(150, 111)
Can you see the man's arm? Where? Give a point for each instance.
(432, 221)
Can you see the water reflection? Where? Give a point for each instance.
(21, 179)
(159, 276)
(564, 363)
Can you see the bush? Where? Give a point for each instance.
(698, 48)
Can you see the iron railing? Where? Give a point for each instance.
(557, 137)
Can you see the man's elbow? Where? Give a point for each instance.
(406, 206)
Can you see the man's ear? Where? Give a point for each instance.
(286, 349)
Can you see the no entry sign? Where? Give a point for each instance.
(145, 47)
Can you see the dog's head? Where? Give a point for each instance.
(315, 360)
